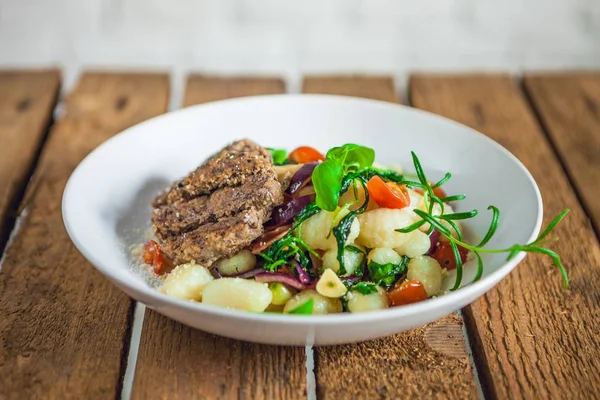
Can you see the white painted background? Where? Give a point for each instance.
(293, 37)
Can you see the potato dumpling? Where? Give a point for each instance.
(377, 227)
(358, 302)
(239, 263)
(237, 293)
(349, 196)
(417, 244)
(314, 231)
(352, 260)
(321, 304)
(427, 271)
(186, 281)
(383, 255)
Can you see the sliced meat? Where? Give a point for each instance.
(220, 208)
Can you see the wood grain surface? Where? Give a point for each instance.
(532, 339)
(175, 361)
(370, 87)
(26, 103)
(424, 363)
(569, 107)
(64, 328)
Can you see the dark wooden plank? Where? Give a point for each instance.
(179, 362)
(569, 107)
(531, 338)
(426, 362)
(370, 87)
(64, 329)
(27, 99)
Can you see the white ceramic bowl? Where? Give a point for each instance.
(106, 204)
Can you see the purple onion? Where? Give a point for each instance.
(302, 274)
(284, 213)
(267, 277)
(301, 177)
(216, 273)
(433, 240)
(249, 274)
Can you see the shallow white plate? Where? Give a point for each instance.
(106, 204)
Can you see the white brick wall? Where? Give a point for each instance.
(293, 37)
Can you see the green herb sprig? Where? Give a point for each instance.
(456, 240)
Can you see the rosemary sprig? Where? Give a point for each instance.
(439, 222)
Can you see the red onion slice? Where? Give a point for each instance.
(302, 274)
(289, 280)
(269, 237)
(284, 213)
(249, 274)
(301, 177)
(433, 240)
(216, 273)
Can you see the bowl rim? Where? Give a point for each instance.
(156, 300)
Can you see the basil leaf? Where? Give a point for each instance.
(365, 288)
(327, 181)
(305, 308)
(352, 156)
(279, 156)
(387, 274)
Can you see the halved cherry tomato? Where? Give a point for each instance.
(388, 194)
(445, 255)
(154, 256)
(438, 191)
(407, 292)
(305, 154)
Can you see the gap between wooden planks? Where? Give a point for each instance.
(27, 99)
(427, 362)
(64, 327)
(569, 107)
(532, 339)
(175, 361)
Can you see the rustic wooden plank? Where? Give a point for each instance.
(179, 362)
(370, 87)
(27, 99)
(531, 338)
(429, 361)
(64, 329)
(569, 107)
(202, 89)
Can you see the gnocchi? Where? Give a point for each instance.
(321, 304)
(239, 263)
(315, 231)
(378, 228)
(427, 271)
(358, 302)
(187, 281)
(237, 293)
(352, 260)
(416, 244)
(383, 255)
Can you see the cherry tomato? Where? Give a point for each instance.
(445, 255)
(154, 256)
(438, 191)
(305, 154)
(407, 292)
(388, 194)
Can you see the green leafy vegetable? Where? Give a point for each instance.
(327, 181)
(327, 176)
(279, 156)
(435, 221)
(387, 274)
(360, 269)
(365, 288)
(305, 308)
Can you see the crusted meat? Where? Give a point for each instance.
(220, 208)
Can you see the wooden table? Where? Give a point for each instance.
(66, 332)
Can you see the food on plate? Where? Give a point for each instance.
(261, 230)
